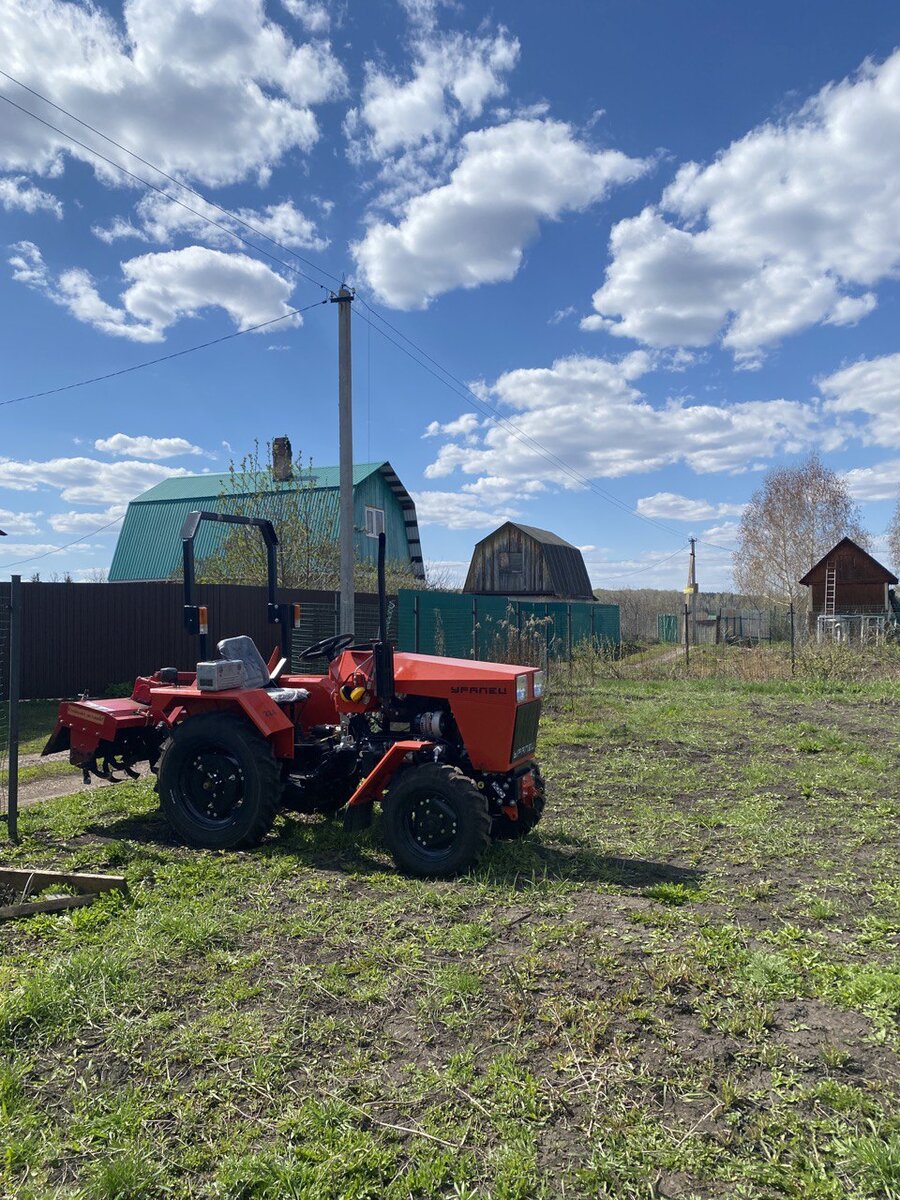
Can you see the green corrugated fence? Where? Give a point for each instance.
(499, 628)
(667, 627)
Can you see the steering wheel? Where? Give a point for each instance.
(329, 647)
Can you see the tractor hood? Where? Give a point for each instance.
(417, 669)
(498, 720)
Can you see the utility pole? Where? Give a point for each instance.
(344, 299)
(691, 590)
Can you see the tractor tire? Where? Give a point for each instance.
(219, 784)
(436, 821)
(505, 830)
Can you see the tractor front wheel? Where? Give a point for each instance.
(436, 821)
(219, 783)
(505, 830)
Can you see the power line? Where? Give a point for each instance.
(56, 549)
(162, 191)
(152, 362)
(485, 407)
(527, 439)
(656, 563)
(172, 179)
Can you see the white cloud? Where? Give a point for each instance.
(562, 314)
(312, 14)
(672, 507)
(474, 229)
(463, 426)
(18, 522)
(87, 522)
(721, 534)
(453, 77)
(211, 91)
(870, 387)
(17, 192)
(160, 220)
(84, 480)
(30, 549)
(790, 226)
(162, 289)
(90, 574)
(458, 510)
(144, 446)
(588, 413)
(881, 482)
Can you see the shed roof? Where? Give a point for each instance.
(565, 563)
(879, 571)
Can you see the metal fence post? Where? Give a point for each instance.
(15, 666)
(793, 651)
(687, 647)
(474, 626)
(416, 622)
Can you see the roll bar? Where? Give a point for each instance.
(279, 614)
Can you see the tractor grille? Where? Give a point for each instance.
(525, 733)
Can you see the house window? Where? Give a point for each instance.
(374, 521)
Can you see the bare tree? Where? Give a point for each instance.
(792, 520)
(893, 537)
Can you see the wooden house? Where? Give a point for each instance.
(850, 593)
(521, 561)
(149, 545)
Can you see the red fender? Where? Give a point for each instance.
(255, 704)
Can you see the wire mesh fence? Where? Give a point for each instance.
(321, 619)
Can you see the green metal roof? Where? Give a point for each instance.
(199, 487)
(149, 544)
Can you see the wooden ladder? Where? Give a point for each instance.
(830, 589)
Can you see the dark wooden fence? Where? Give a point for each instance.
(96, 636)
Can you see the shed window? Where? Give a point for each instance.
(511, 560)
(374, 521)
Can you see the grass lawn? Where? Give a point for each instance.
(686, 984)
(36, 721)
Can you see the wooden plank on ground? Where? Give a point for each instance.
(20, 877)
(51, 904)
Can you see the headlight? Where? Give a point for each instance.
(538, 679)
(521, 688)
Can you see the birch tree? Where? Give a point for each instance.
(893, 538)
(795, 516)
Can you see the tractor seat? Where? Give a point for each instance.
(256, 673)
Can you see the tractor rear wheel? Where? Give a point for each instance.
(436, 821)
(219, 783)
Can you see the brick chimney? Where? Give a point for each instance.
(282, 465)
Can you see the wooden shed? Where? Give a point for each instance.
(849, 580)
(519, 560)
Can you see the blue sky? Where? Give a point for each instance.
(662, 239)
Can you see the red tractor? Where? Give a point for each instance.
(446, 745)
